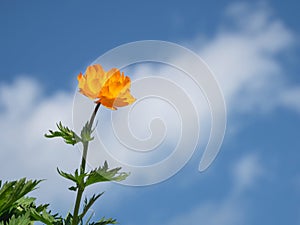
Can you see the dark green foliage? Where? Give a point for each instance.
(13, 191)
(16, 208)
(21, 220)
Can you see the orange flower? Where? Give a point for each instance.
(111, 89)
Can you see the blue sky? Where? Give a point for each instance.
(253, 49)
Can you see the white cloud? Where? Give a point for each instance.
(244, 58)
(291, 98)
(25, 116)
(246, 171)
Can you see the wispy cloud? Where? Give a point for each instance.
(290, 98)
(244, 56)
(232, 209)
(26, 115)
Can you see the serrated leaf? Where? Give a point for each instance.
(88, 203)
(103, 174)
(68, 220)
(44, 217)
(67, 175)
(104, 221)
(13, 191)
(14, 204)
(69, 136)
(77, 178)
(26, 202)
(86, 133)
(21, 220)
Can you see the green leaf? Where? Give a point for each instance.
(77, 178)
(12, 191)
(44, 217)
(21, 220)
(86, 133)
(88, 204)
(103, 174)
(104, 221)
(14, 204)
(69, 219)
(26, 201)
(69, 136)
(67, 175)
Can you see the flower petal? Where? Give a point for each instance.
(112, 89)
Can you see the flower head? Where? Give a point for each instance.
(111, 89)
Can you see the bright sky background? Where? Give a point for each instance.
(253, 49)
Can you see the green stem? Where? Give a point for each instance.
(82, 169)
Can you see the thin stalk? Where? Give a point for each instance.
(82, 169)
